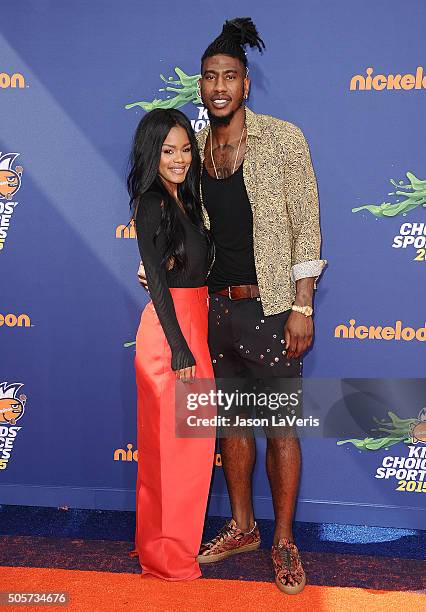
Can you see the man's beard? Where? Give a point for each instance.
(223, 120)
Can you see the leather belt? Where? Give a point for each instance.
(240, 292)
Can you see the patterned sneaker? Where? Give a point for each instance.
(289, 574)
(229, 541)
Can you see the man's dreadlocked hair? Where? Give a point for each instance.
(235, 35)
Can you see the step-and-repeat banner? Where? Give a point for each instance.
(75, 79)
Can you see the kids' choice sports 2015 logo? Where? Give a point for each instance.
(12, 408)
(408, 195)
(407, 469)
(179, 90)
(10, 182)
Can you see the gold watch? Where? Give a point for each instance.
(305, 310)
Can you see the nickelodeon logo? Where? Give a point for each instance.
(12, 320)
(132, 455)
(16, 80)
(124, 231)
(379, 82)
(378, 332)
(126, 455)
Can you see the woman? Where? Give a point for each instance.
(171, 343)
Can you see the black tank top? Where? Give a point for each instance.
(231, 226)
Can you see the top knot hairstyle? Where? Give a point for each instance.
(235, 35)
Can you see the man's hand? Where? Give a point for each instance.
(298, 334)
(299, 330)
(142, 277)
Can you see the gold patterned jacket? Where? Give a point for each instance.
(282, 190)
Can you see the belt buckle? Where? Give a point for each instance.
(229, 292)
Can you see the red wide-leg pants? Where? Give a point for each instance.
(173, 473)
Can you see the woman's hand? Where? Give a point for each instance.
(142, 276)
(142, 273)
(186, 374)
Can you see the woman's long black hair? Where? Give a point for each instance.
(143, 177)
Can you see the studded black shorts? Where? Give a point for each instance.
(247, 345)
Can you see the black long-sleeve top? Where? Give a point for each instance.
(160, 279)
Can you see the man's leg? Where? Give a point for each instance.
(283, 460)
(240, 534)
(262, 350)
(263, 346)
(237, 449)
(283, 467)
(238, 458)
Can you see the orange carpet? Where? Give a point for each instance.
(103, 591)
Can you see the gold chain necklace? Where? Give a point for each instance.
(236, 156)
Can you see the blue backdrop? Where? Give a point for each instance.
(67, 72)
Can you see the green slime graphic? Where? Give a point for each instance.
(398, 430)
(185, 89)
(415, 195)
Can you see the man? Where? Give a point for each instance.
(260, 199)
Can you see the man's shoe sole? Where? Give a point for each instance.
(227, 553)
(291, 590)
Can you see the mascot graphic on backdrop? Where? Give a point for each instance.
(11, 406)
(10, 179)
(396, 430)
(180, 91)
(409, 470)
(10, 182)
(12, 409)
